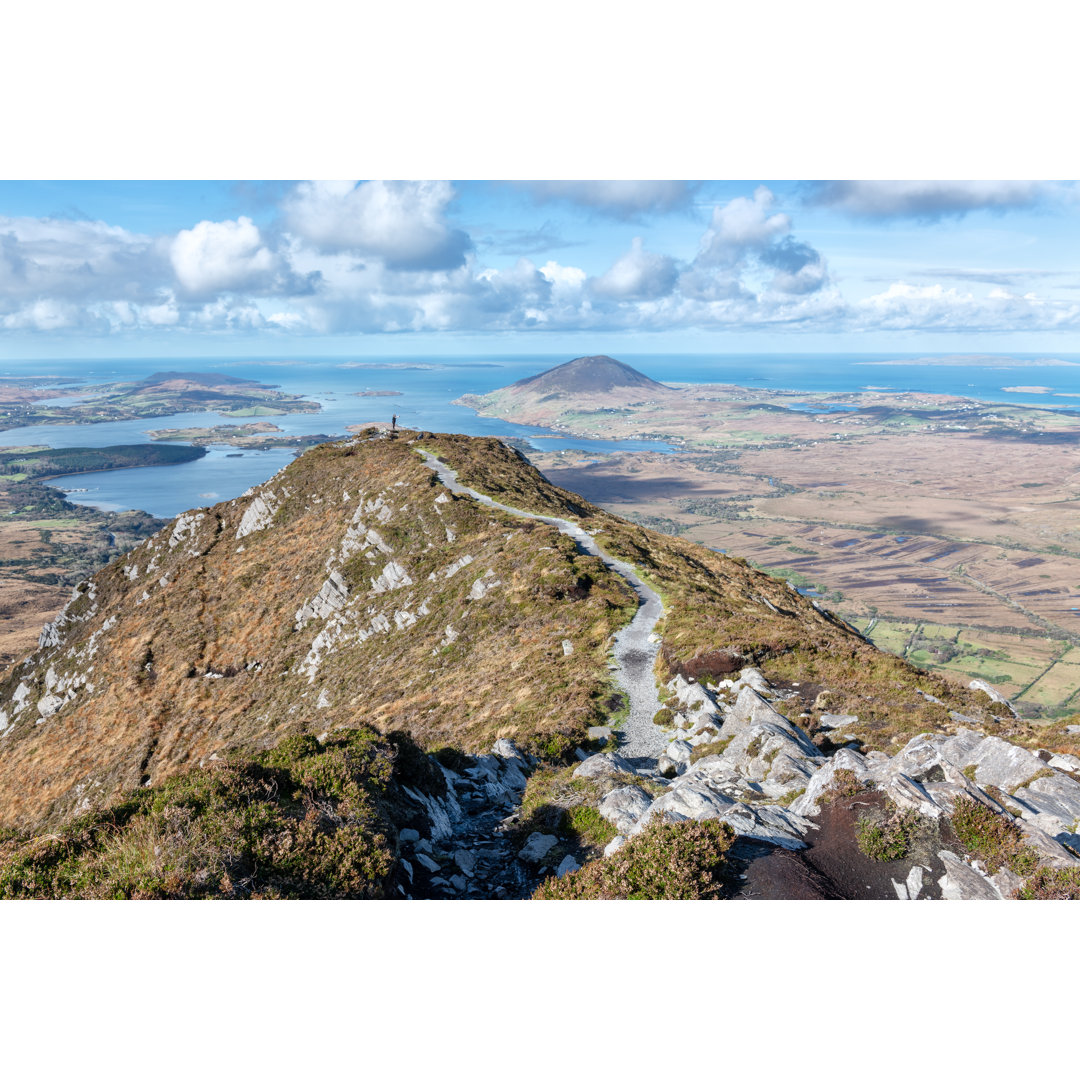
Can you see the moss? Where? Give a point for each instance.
(682, 861)
(664, 718)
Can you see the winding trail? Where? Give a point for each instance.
(636, 646)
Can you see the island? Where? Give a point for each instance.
(262, 435)
(161, 394)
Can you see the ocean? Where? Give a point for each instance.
(427, 385)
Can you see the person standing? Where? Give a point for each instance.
(393, 422)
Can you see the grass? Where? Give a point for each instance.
(686, 860)
(992, 837)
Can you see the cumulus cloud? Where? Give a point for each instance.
(742, 225)
(622, 199)
(217, 256)
(76, 261)
(929, 200)
(637, 275)
(402, 223)
(799, 267)
(934, 307)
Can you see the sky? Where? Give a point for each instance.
(451, 267)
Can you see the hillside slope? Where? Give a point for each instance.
(353, 589)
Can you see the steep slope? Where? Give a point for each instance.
(353, 588)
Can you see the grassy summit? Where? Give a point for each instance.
(352, 591)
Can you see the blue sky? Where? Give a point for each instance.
(252, 268)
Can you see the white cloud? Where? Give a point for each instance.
(741, 225)
(637, 275)
(47, 315)
(927, 199)
(401, 223)
(616, 198)
(933, 307)
(223, 255)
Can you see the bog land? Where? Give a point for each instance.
(945, 528)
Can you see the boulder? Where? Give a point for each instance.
(616, 843)
(427, 862)
(567, 866)
(506, 750)
(1066, 762)
(466, 861)
(537, 846)
(408, 836)
(623, 806)
(603, 765)
(824, 778)
(964, 882)
(832, 721)
(687, 800)
(991, 693)
(996, 761)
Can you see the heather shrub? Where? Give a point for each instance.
(685, 860)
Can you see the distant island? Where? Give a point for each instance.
(262, 435)
(160, 394)
(972, 360)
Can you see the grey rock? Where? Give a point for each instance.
(991, 692)
(537, 846)
(614, 845)
(601, 765)
(1073, 729)
(600, 733)
(688, 800)
(679, 751)
(1052, 853)
(832, 721)
(459, 883)
(964, 882)
(1065, 762)
(623, 806)
(407, 867)
(752, 677)
(506, 750)
(996, 761)
(567, 866)
(1052, 803)
(408, 836)
(567, 647)
(466, 861)
(908, 794)
(824, 778)
(427, 862)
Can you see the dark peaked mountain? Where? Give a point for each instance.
(589, 375)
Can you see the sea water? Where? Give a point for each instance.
(428, 385)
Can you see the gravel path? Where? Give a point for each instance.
(635, 654)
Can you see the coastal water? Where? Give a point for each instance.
(425, 387)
